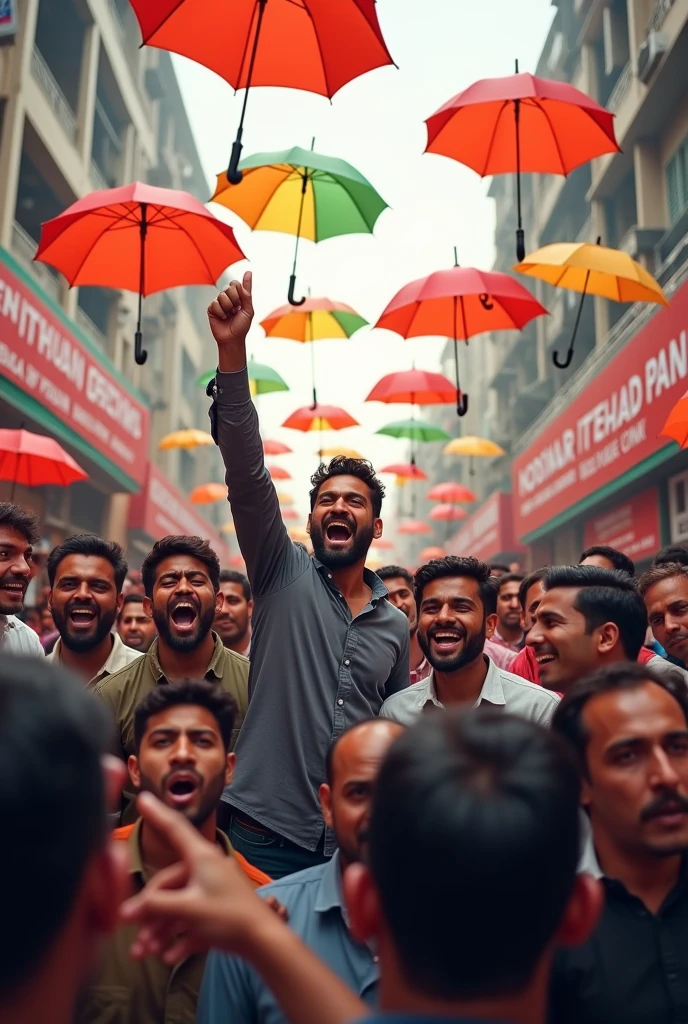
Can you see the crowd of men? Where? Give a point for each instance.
(461, 795)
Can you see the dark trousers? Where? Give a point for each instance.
(268, 850)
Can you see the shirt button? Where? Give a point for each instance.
(346, 661)
(376, 959)
(340, 702)
(329, 575)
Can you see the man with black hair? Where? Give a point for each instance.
(19, 532)
(509, 629)
(629, 729)
(530, 593)
(399, 583)
(326, 648)
(664, 588)
(86, 574)
(134, 625)
(313, 899)
(181, 576)
(233, 621)
(607, 558)
(456, 600)
(674, 553)
(182, 736)
(63, 881)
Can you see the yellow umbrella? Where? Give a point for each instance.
(185, 439)
(228, 528)
(284, 498)
(472, 446)
(595, 269)
(348, 453)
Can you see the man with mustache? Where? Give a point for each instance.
(181, 576)
(629, 727)
(19, 532)
(456, 600)
(664, 588)
(86, 574)
(233, 621)
(134, 625)
(313, 899)
(182, 735)
(326, 647)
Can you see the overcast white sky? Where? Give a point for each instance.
(377, 124)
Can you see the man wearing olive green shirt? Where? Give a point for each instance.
(181, 576)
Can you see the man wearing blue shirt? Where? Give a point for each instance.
(232, 990)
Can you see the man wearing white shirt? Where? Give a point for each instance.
(457, 600)
(19, 531)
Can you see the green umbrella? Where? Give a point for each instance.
(415, 430)
(263, 379)
(303, 193)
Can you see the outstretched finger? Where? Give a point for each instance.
(246, 293)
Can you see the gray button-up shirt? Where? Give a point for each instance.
(233, 991)
(315, 669)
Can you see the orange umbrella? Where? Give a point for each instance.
(448, 513)
(276, 448)
(237, 562)
(406, 470)
(676, 426)
(322, 417)
(206, 493)
(277, 473)
(413, 526)
(450, 492)
(141, 239)
(314, 45)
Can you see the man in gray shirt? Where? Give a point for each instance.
(326, 649)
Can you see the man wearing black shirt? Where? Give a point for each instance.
(630, 729)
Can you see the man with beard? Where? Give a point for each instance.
(456, 600)
(313, 899)
(181, 576)
(399, 583)
(629, 727)
(134, 625)
(19, 531)
(86, 574)
(509, 630)
(326, 648)
(233, 621)
(182, 735)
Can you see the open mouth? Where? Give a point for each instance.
(184, 616)
(14, 589)
(447, 640)
(338, 532)
(544, 659)
(81, 617)
(182, 788)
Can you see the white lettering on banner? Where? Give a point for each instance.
(554, 457)
(103, 393)
(483, 523)
(171, 507)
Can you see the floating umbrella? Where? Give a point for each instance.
(284, 498)
(228, 528)
(414, 387)
(34, 460)
(414, 430)
(414, 526)
(405, 470)
(480, 447)
(299, 192)
(323, 417)
(347, 453)
(278, 473)
(676, 426)
(450, 492)
(276, 448)
(263, 380)
(206, 493)
(428, 554)
(313, 320)
(141, 239)
(521, 123)
(185, 439)
(381, 544)
(237, 562)
(288, 513)
(459, 303)
(595, 270)
(447, 513)
(314, 45)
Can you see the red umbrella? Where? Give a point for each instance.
(427, 554)
(459, 303)
(676, 426)
(521, 123)
(315, 45)
(413, 526)
(448, 513)
(414, 387)
(237, 562)
(276, 448)
(450, 492)
(382, 545)
(407, 470)
(322, 417)
(141, 239)
(277, 473)
(288, 512)
(33, 460)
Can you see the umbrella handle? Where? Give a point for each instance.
(140, 354)
(234, 175)
(567, 360)
(292, 290)
(462, 404)
(520, 245)
(484, 300)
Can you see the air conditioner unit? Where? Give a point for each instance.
(650, 54)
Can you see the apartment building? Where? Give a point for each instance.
(83, 107)
(586, 463)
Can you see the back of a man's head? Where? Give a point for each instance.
(474, 839)
(52, 808)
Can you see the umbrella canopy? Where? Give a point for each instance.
(34, 460)
(313, 45)
(276, 448)
(262, 379)
(414, 526)
(381, 544)
(288, 513)
(591, 269)
(414, 430)
(284, 498)
(347, 453)
(676, 426)
(278, 473)
(414, 387)
(405, 470)
(228, 528)
(138, 238)
(237, 562)
(323, 417)
(459, 303)
(471, 445)
(428, 554)
(303, 193)
(185, 439)
(450, 492)
(206, 493)
(521, 123)
(448, 513)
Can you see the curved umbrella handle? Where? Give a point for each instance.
(485, 301)
(566, 362)
(462, 404)
(140, 354)
(292, 289)
(520, 245)
(234, 175)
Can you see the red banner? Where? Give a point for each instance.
(611, 426)
(488, 532)
(160, 509)
(632, 527)
(41, 356)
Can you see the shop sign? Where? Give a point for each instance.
(488, 532)
(632, 527)
(611, 426)
(40, 355)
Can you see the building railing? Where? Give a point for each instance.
(24, 248)
(658, 16)
(623, 84)
(97, 177)
(57, 99)
(88, 327)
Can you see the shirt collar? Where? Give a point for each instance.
(136, 866)
(215, 667)
(491, 693)
(371, 579)
(116, 659)
(330, 889)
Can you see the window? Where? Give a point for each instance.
(678, 508)
(677, 182)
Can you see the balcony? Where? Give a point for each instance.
(658, 16)
(623, 84)
(641, 241)
(54, 95)
(24, 248)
